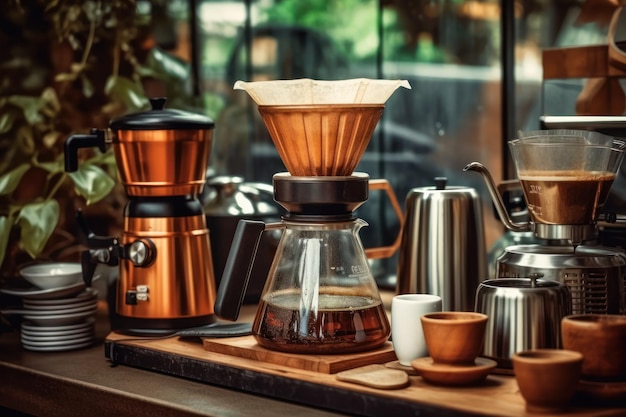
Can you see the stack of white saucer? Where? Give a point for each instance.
(59, 324)
(57, 310)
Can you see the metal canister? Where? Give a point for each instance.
(523, 313)
(594, 275)
(442, 251)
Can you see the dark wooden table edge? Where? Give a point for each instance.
(275, 386)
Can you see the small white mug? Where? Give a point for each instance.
(406, 327)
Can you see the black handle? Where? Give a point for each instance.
(88, 266)
(102, 249)
(92, 240)
(238, 269)
(74, 142)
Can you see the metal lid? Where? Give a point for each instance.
(441, 187)
(521, 283)
(159, 118)
(231, 196)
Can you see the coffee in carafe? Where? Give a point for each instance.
(330, 327)
(565, 197)
(566, 176)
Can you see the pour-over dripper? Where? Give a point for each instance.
(566, 175)
(321, 128)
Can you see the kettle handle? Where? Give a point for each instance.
(238, 268)
(74, 142)
(381, 252)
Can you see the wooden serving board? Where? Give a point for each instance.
(246, 347)
(497, 396)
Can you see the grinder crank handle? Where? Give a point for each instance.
(88, 267)
(74, 142)
(238, 269)
(100, 250)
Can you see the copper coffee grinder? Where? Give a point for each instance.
(320, 295)
(565, 176)
(165, 268)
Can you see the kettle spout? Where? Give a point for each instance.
(497, 198)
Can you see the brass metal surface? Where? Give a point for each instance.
(156, 163)
(180, 280)
(321, 139)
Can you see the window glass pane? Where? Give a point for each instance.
(447, 50)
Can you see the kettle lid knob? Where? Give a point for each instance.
(440, 183)
(158, 103)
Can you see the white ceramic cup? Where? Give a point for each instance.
(406, 327)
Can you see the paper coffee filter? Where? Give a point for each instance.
(307, 91)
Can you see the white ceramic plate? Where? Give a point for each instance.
(60, 333)
(60, 319)
(72, 337)
(58, 311)
(64, 306)
(86, 295)
(55, 312)
(50, 275)
(34, 293)
(53, 328)
(61, 348)
(59, 342)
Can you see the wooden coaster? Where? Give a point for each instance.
(246, 347)
(375, 376)
(397, 365)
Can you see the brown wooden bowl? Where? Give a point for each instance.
(547, 378)
(454, 337)
(602, 341)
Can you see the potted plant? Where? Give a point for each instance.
(66, 66)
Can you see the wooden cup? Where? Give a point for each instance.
(547, 378)
(602, 341)
(454, 337)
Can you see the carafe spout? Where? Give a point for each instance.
(497, 198)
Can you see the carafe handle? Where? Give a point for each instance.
(238, 268)
(381, 252)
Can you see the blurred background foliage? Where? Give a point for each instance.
(66, 66)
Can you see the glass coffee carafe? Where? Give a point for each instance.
(320, 295)
(565, 176)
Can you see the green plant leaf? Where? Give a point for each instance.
(92, 182)
(126, 91)
(10, 180)
(88, 88)
(50, 102)
(6, 121)
(30, 106)
(53, 167)
(106, 158)
(37, 222)
(65, 77)
(5, 231)
(25, 139)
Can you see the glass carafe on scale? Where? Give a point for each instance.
(320, 296)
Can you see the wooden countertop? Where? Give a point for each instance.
(83, 382)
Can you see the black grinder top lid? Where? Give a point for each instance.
(159, 118)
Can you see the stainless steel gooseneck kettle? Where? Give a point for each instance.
(443, 244)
